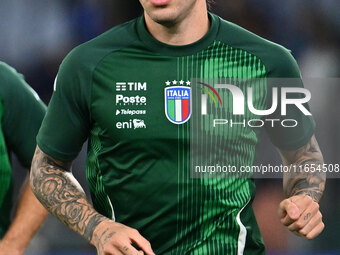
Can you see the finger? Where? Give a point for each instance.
(128, 249)
(316, 231)
(282, 208)
(290, 211)
(304, 219)
(315, 221)
(302, 202)
(284, 205)
(115, 252)
(292, 214)
(110, 250)
(141, 242)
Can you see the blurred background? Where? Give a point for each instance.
(35, 35)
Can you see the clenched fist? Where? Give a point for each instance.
(302, 216)
(112, 238)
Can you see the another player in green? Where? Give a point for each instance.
(21, 114)
(110, 90)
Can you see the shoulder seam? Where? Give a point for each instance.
(95, 67)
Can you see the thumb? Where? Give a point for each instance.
(288, 208)
(293, 211)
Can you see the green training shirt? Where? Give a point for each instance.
(111, 90)
(21, 114)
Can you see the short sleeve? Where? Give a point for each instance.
(66, 125)
(23, 112)
(284, 73)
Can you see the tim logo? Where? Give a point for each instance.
(131, 86)
(178, 104)
(138, 124)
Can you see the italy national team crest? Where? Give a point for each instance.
(178, 104)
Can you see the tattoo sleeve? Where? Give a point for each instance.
(300, 180)
(54, 185)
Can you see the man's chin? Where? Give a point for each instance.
(164, 17)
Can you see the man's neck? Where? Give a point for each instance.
(189, 30)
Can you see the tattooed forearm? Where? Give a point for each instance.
(300, 181)
(54, 185)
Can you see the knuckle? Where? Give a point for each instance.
(290, 228)
(299, 224)
(322, 226)
(308, 199)
(283, 203)
(134, 231)
(303, 232)
(117, 242)
(124, 228)
(107, 249)
(320, 215)
(309, 237)
(120, 244)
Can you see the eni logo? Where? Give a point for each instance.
(131, 124)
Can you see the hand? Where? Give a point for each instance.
(8, 248)
(302, 216)
(112, 238)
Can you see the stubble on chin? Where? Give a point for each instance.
(167, 20)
